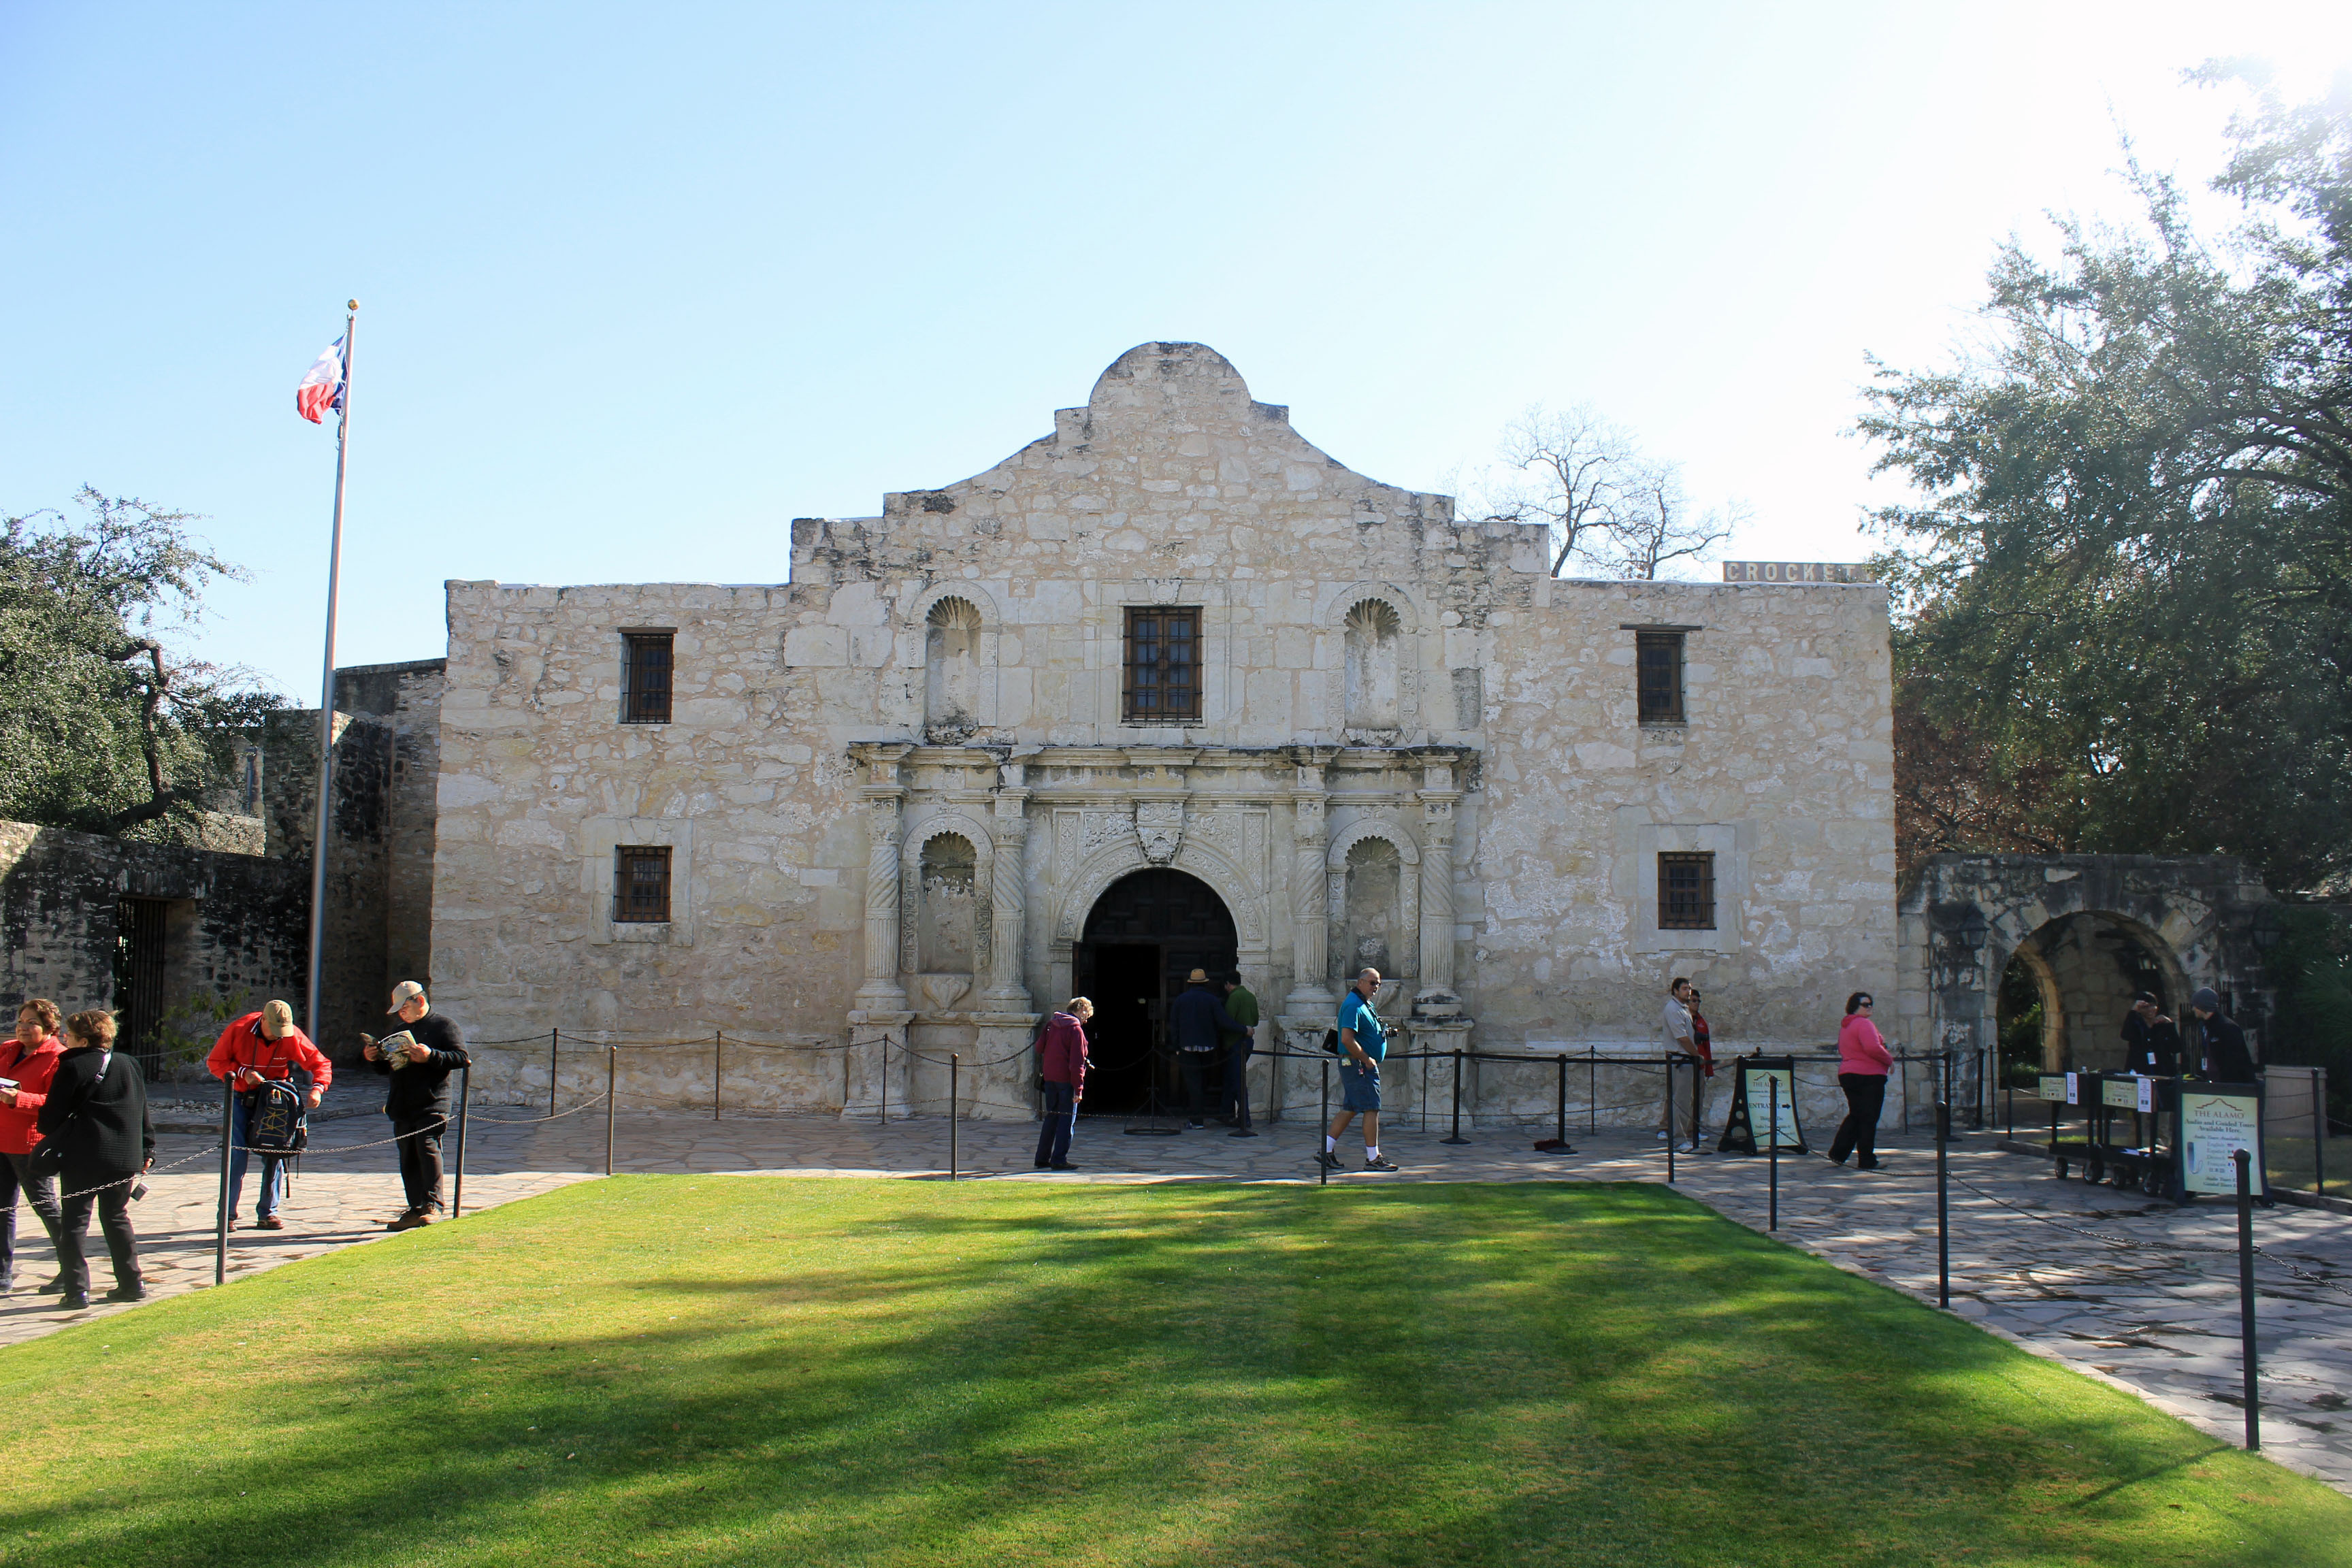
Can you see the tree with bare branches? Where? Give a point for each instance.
(1611, 509)
(1654, 523)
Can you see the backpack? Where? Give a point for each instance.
(273, 1119)
(1331, 1041)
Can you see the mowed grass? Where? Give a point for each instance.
(684, 1369)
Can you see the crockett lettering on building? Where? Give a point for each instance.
(1167, 688)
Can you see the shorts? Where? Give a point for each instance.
(1358, 1090)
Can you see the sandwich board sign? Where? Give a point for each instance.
(1751, 1129)
(2215, 1124)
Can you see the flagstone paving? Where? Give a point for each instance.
(2158, 1315)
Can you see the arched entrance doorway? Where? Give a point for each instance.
(2067, 986)
(1145, 933)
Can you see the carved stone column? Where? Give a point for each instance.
(1311, 907)
(1437, 997)
(878, 1076)
(884, 796)
(1009, 894)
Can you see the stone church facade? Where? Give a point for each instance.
(1166, 684)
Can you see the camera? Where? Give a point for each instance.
(137, 1191)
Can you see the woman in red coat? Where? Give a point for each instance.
(30, 1060)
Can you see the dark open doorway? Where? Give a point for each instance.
(1144, 935)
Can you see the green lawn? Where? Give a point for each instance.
(710, 1370)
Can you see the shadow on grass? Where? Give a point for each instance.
(1426, 1374)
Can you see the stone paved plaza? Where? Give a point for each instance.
(2159, 1317)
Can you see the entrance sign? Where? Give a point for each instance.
(2215, 1124)
(1751, 1107)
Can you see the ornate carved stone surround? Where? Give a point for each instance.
(1269, 829)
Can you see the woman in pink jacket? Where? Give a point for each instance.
(1863, 1061)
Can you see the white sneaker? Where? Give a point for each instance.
(1661, 1137)
(1687, 1148)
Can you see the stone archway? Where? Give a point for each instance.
(2082, 921)
(2085, 969)
(1143, 935)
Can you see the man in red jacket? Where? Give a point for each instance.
(250, 1052)
(1064, 1069)
(30, 1060)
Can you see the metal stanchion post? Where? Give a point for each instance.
(885, 1079)
(1455, 1136)
(553, 1037)
(1322, 1166)
(1772, 1130)
(955, 1084)
(612, 1074)
(1560, 1103)
(2319, 1130)
(1591, 1089)
(1241, 1128)
(2010, 1090)
(465, 1094)
(220, 1224)
(2246, 1300)
(717, 1069)
(1943, 1204)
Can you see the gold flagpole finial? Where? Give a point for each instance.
(354, 304)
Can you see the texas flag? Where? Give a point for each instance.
(323, 388)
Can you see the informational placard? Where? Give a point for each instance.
(1782, 1134)
(2146, 1089)
(2054, 1088)
(2215, 1124)
(2074, 1089)
(1751, 1107)
(2121, 1094)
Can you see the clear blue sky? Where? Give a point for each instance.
(640, 284)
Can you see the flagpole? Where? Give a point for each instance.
(327, 701)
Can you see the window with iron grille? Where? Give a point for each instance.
(641, 882)
(1687, 892)
(1658, 658)
(645, 677)
(1163, 666)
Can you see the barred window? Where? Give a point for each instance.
(641, 882)
(1658, 658)
(1163, 666)
(645, 677)
(1687, 892)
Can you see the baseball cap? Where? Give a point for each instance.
(404, 993)
(276, 1017)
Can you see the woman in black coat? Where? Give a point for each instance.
(96, 1116)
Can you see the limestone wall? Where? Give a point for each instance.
(1414, 749)
(1783, 769)
(236, 930)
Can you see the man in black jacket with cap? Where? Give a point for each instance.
(419, 1060)
(2227, 1060)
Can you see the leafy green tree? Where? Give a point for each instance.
(100, 728)
(2125, 611)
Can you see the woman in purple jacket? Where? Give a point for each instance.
(1863, 1061)
(1063, 1065)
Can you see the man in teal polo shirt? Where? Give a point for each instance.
(1364, 1045)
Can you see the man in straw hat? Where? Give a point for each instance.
(253, 1051)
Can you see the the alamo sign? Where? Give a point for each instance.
(1166, 687)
